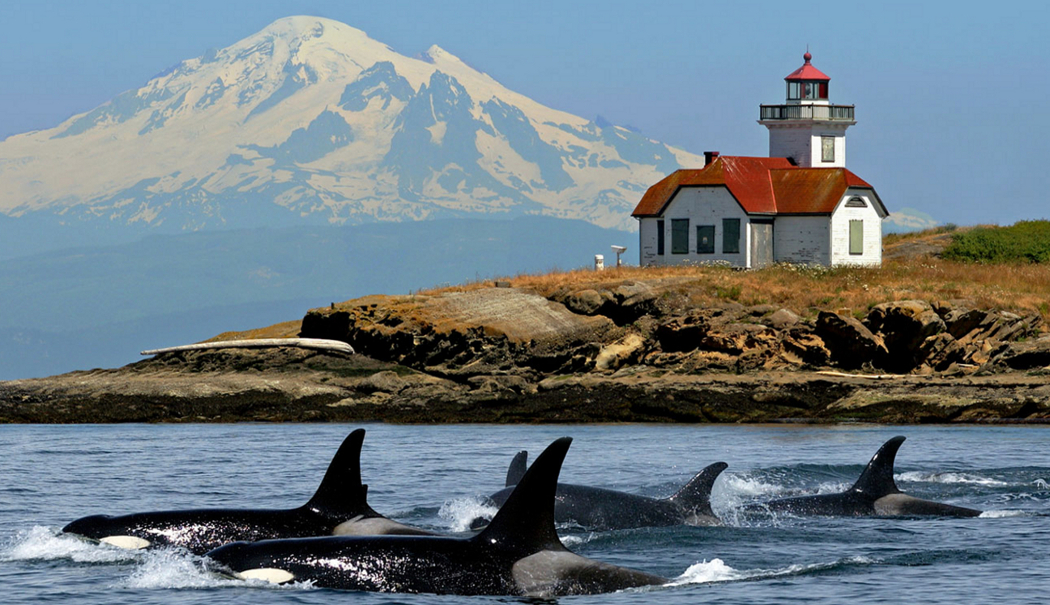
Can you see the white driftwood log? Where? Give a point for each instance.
(321, 344)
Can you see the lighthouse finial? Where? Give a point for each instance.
(807, 56)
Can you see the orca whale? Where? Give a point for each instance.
(875, 494)
(604, 509)
(338, 507)
(519, 553)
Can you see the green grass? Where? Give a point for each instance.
(1023, 242)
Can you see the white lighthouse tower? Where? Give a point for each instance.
(807, 128)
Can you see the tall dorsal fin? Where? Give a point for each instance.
(341, 492)
(877, 479)
(695, 496)
(525, 522)
(517, 468)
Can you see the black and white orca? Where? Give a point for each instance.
(604, 509)
(339, 507)
(519, 553)
(874, 494)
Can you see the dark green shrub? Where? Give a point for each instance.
(1026, 241)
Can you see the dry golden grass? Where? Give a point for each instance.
(287, 329)
(1019, 288)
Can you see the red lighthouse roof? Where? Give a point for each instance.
(807, 71)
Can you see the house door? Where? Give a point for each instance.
(761, 245)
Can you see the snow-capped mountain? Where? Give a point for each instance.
(311, 121)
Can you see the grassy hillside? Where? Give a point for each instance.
(914, 268)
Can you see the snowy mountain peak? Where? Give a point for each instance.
(435, 54)
(310, 120)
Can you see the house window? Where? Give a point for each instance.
(705, 239)
(679, 236)
(827, 149)
(730, 236)
(856, 202)
(856, 237)
(660, 238)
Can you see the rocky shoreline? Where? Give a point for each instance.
(608, 351)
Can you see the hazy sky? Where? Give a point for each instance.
(952, 97)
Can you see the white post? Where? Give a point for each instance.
(599, 262)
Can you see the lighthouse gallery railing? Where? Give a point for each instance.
(807, 112)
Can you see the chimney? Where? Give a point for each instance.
(709, 156)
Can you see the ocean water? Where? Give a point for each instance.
(435, 476)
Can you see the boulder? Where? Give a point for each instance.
(736, 338)
(682, 333)
(585, 302)
(940, 351)
(612, 356)
(781, 319)
(960, 322)
(850, 343)
(633, 300)
(1026, 355)
(903, 325)
(802, 347)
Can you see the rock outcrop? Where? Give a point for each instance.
(621, 351)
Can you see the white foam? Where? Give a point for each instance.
(43, 543)
(459, 512)
(746, 486)
(172, 568)
(950, 478)
(717, 571)
(576, 540)
(705, 572)
(1000, 514)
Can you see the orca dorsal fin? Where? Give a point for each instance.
(525, 522)
(877, 479)
(695, 496)
(341, 493)
(517, 468)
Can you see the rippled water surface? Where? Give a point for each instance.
(434, 476)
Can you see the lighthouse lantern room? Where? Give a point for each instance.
(807, 129)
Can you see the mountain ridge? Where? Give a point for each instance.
(315, 118)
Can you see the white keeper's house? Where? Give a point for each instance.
(800, 205)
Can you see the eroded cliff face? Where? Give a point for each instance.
(613, 326)
(608, 351)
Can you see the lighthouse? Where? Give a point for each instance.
(807, 129)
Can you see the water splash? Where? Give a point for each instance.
(173, 568)
(576, 540)
(48, 544)
(949, 478)
(168, 568)
(706, 572)
(717, 571)
(1000, 514)
(461, 512)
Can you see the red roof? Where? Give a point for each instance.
(807, 71)
(759, 185)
